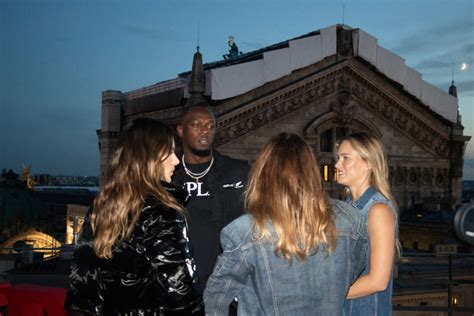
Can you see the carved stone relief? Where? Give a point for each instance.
(456, 157)
(345, 108)
(352, 87)
(277, 107)
(393, 113)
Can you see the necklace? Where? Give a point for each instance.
(196, 176)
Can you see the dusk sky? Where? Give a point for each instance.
(56, 57)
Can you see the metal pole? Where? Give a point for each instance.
(450, 278)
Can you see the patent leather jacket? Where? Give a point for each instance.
(151, 273)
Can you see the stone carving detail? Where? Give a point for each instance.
(426, 176)
(275, 108)
(439, 178)
(399, 175)
(393, 113)
(345, 108)
(348, 82)
(413, 176)
(456, 157)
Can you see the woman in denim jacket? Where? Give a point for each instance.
(362, 167)
(297, 251)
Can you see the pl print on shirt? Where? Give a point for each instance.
(196, 189)
(201, 189)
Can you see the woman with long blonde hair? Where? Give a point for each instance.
(362, 168)
(133, 255)
(296, 251)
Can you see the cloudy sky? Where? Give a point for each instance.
(57, 56)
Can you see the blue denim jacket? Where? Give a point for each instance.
(265, 284)
(380, 303)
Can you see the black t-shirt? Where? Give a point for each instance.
(203, 226)
(214, 202)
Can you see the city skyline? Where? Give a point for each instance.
(60, 56)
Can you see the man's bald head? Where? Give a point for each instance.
(197, 130)
(195, 109)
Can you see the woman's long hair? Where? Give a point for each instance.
(135, 174)
(285, 189)
(372, 151)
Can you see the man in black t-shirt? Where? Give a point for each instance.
(215, 183)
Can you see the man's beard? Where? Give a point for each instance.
(201, 152)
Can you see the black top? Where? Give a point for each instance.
(214, 202)
(151, 273)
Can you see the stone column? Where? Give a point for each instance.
(457, 148)
(110, 129)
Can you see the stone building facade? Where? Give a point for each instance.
(349, 84)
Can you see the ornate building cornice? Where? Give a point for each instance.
(433, 135)
(278, 104)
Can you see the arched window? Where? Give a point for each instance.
(325, 141)
(323, 133)
(329, 138)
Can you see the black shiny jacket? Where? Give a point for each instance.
(151, 273)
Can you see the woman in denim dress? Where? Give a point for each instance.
(296, 252)
(362, 168)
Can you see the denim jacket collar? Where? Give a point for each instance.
(360, 203)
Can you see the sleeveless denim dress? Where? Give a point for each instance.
(380, 303)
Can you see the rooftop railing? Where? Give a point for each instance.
(156, 88)
(434, 284)
(424, 284)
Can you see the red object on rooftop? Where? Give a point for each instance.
(4, 286)
(32, 300)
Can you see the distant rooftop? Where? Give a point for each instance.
(162, 86)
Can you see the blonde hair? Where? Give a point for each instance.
(135, 174)
(285, 189)
(372, 151)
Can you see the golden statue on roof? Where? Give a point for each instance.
(26, 176)
(234, 50)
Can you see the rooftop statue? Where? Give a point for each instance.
(26, 176)
(233, 51)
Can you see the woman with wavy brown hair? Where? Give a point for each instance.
(133, 255)
(296, 251)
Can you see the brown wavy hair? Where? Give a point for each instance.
(135, 174)
(285, 188)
